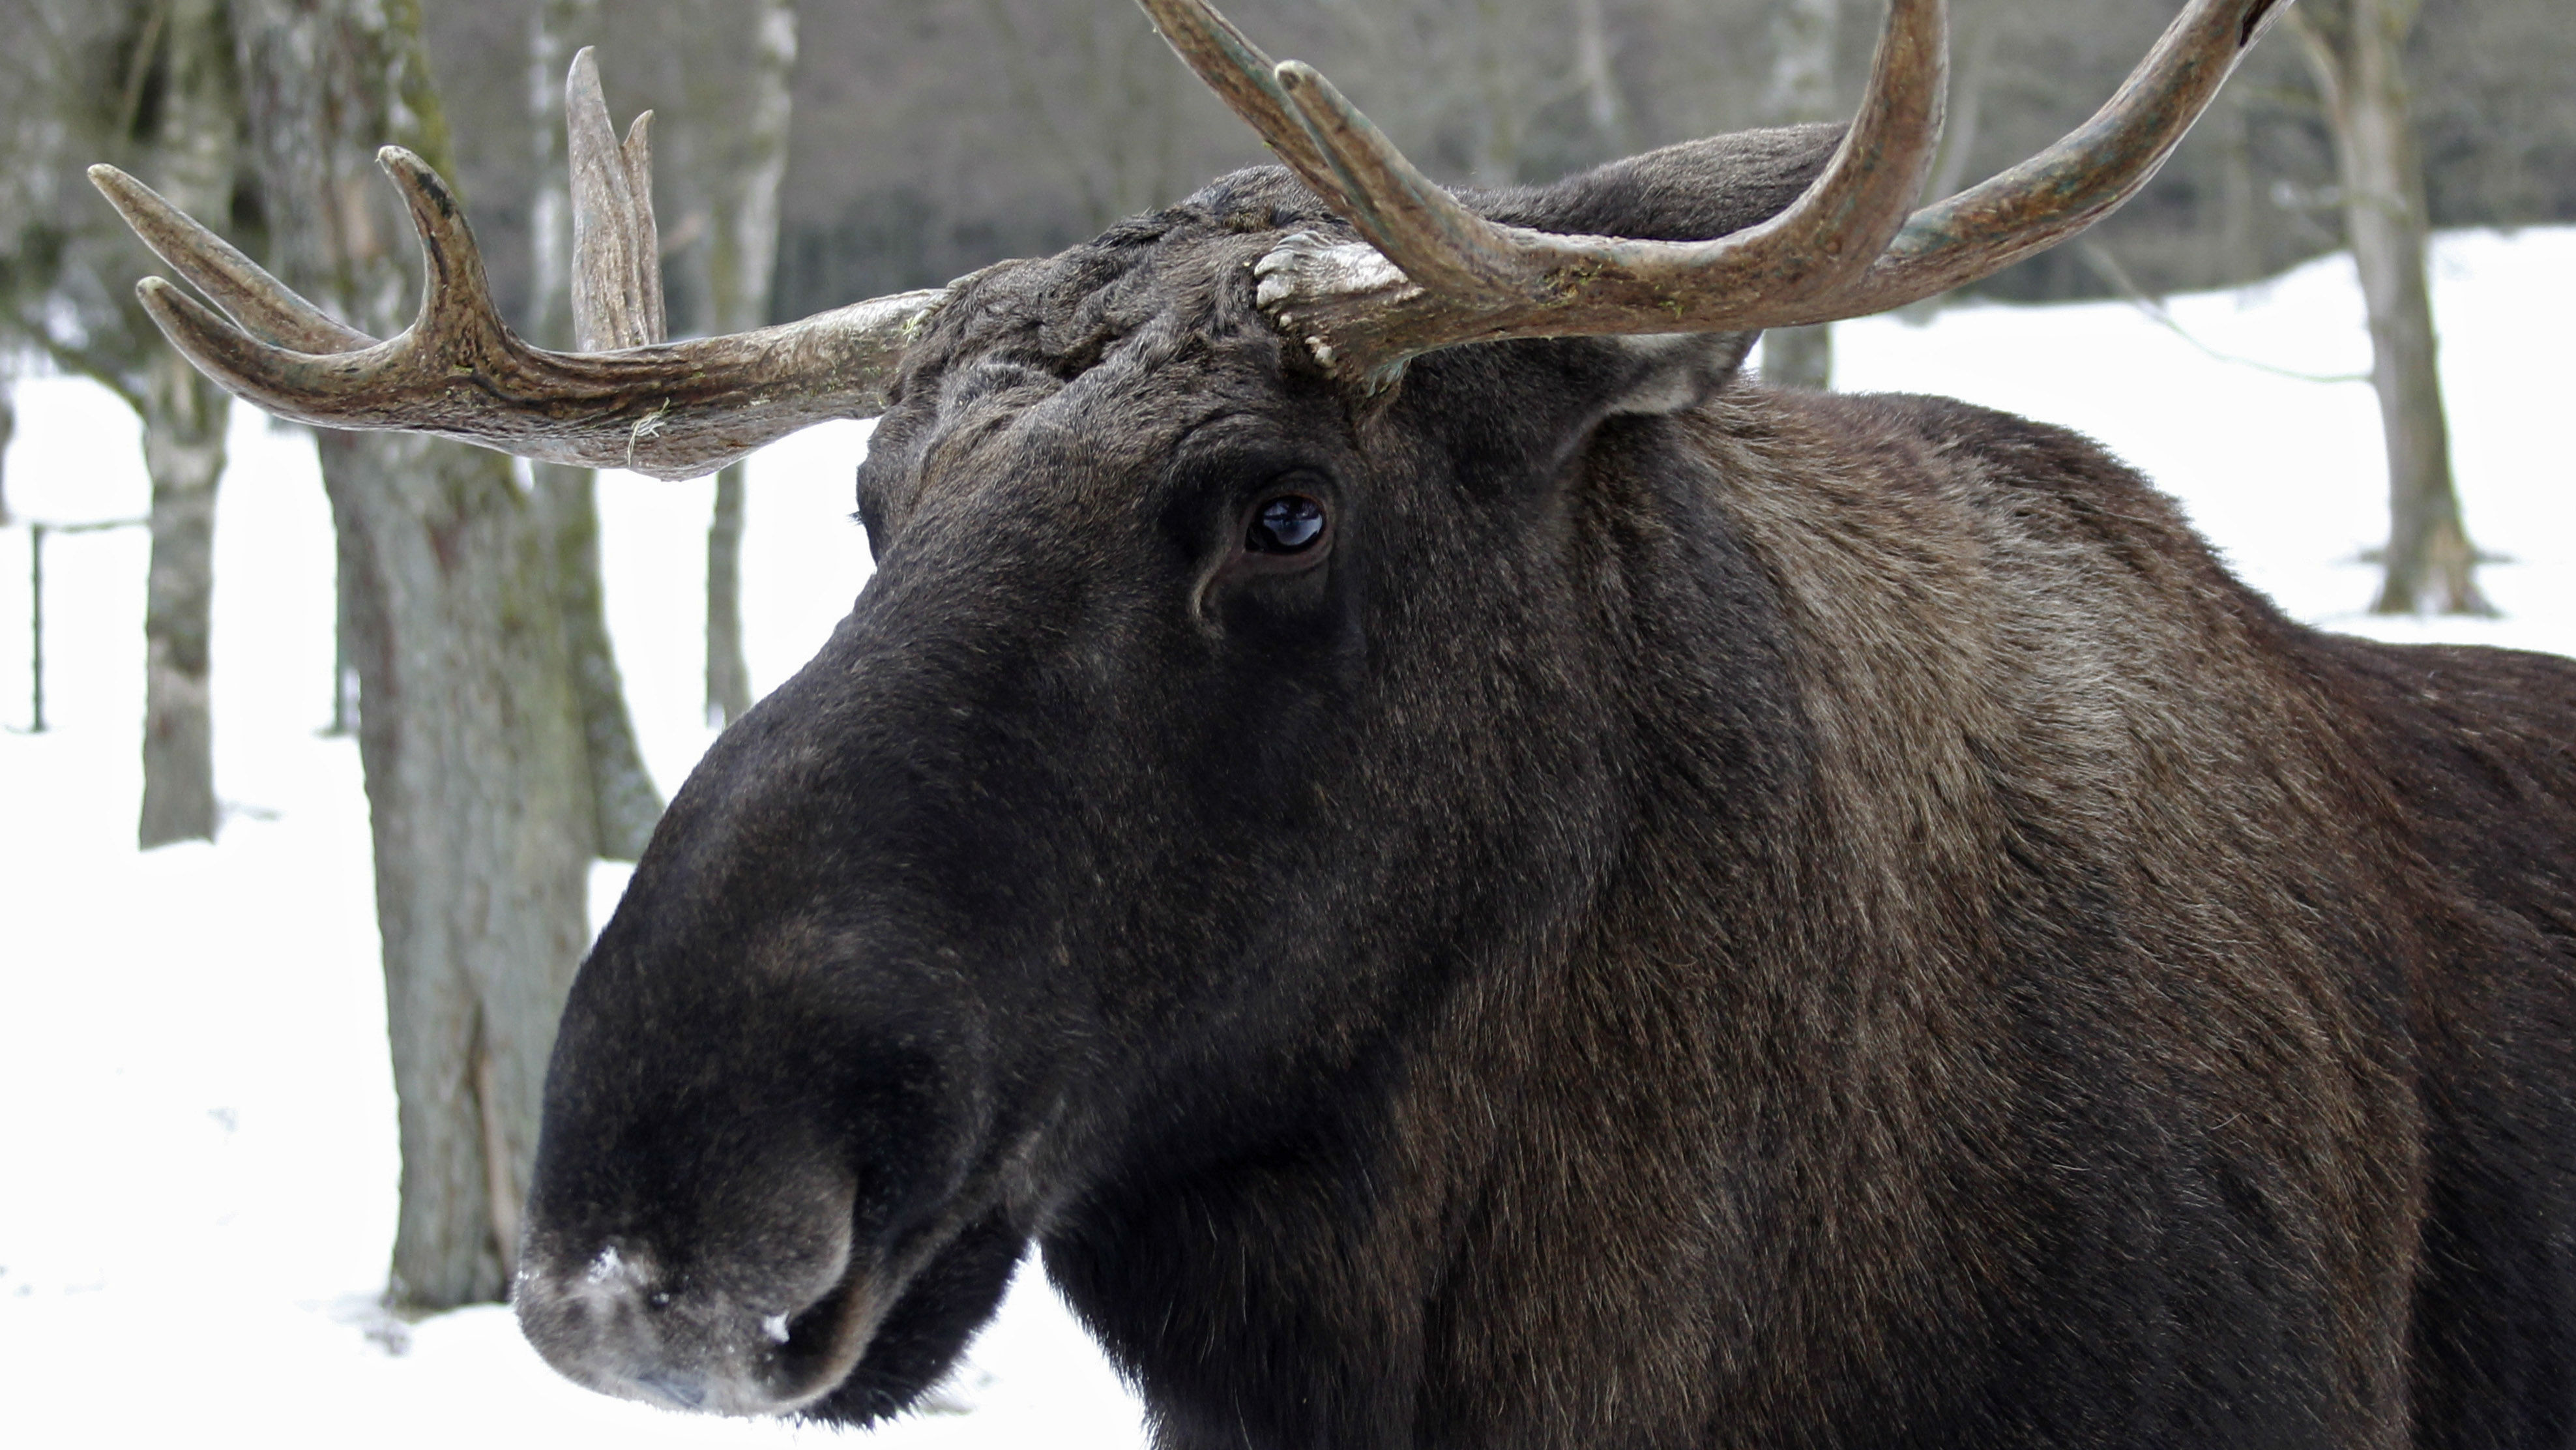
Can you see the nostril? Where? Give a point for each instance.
(811, 1340)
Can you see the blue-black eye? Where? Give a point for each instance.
(1288, 524)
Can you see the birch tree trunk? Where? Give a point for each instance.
(622, 792)
(1802, 89)
(477, 785)
(184, 416)
(741, 262)
(2356, 50)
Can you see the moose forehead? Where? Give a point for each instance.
(1154, 323)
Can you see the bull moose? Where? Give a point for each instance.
(1473, 877)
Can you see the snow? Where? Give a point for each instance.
(196, 1113)
(609, 1265)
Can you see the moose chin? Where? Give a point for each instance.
(1471, 876)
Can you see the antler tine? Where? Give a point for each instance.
(1247, 81)
(2082, 178)
(456, 305)
(253, 298)
(1414, 220)
(338, 382)
(297, 386)
(1825, 238)
(617, 269)
(672, 410)
(1471, 278)
(1844, 249)
(342, 382)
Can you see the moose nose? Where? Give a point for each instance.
(617, 1321)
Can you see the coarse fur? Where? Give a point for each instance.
(1702, 917)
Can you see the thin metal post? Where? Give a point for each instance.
(36, 613)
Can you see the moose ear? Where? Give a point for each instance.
(1696, 191)
(1672, 372)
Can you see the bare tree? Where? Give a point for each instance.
(1803, 34)
(622, 793)
(184, 417)
(8, 430)
(477, 784)
(1595, 70)
(2356, 50)
(741, 262)
(150, 83)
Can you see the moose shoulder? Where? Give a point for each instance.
(1472, 877)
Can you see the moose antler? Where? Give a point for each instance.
(1433, 273)
(674, 410)
(617, 247)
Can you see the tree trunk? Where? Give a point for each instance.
(479, 801)
(728, 673)
(184, 416)
(740, 265)
(477, 783)
(344, 670)
(1802, 89)
(624, 800)
(183, 450)
(8, 428)
(1799, 357)
(35, 628)
(622, 790)
(2235, 250)
(2356, 49)
(1593, 69)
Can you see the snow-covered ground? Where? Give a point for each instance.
(196, 1116)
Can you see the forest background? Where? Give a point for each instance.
(932, 137)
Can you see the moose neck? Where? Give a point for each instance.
(1567, 1075)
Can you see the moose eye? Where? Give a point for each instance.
(1289, 524)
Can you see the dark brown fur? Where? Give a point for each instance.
(1716, 918)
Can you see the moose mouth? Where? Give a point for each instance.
(819, 1348)
(809, 1356)
(917, 1339)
